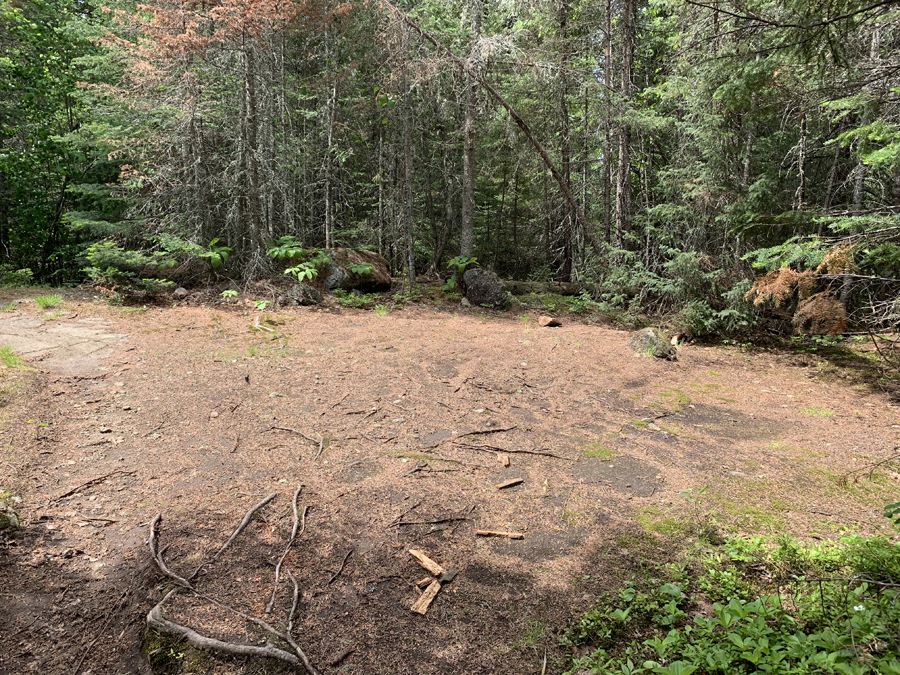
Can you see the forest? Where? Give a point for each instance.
(698, 159)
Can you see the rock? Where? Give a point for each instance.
(300, 294)
(341, 276)
(180, 293)
(465, 303)
(548, 322)
(651, 342)
(9, 519)
(485, 289)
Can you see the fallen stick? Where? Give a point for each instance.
(427, 562)
(341, 568)
(293, 431)
(92, 481)
(478, 432)
(288, 547)
(491, 448)
(424, 601)
(321, 446)
(497, 533)
(245, 522)
(509, 483)
(433, 522)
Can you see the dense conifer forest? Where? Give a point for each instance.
(676, 156)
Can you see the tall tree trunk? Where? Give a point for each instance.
(467, 236)
(408, 222)
(800, 195)
(607, 148)
(623, 179)
(565, 150)
(256, 234)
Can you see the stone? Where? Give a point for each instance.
(464, 303)
(548, 322)
(651, 342)
(180, 293)
(341, 276)
(9, 519)
(300, 294)
(485, 289)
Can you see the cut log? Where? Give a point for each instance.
(427, 562)
(421, 605)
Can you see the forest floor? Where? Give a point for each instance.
(396, 425)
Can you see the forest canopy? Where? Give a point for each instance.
(684, 156)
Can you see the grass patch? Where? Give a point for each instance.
(48, 301)
(599, 451)
(11, 307)
(817, 412)
(10, 359)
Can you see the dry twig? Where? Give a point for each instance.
(341, 568)
(287, 548)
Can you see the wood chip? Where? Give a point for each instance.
(427, 563)
(422, 583)
(548, 322)
(504, 459)
(509, 483)
(421, 605)
(497, 533)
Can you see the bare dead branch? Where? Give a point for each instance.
(92, 481)
(491, 448)
(245, 522)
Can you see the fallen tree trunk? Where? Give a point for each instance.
(557, 287)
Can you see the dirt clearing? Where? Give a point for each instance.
(396, 426)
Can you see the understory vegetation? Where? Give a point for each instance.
(751, 605)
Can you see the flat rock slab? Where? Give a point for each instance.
(65, 348)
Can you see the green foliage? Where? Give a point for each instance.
(229, 293)
(11, 277)
(458, 267)
(48, 301)
(10, 359)
(217, 255)
(261, 304)
(287, 248)
(382, 310)
(832, 615)
(356, 299)
(308, 269)
(361, 270)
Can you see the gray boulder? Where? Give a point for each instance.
(9, 519)
(651, 342)
(485, 289)
(300, 294)
(180, 293)
(343, 272)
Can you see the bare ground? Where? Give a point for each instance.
(193, 413)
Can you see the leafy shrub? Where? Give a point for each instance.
(458, 267)
(836, 611)
(12, 277)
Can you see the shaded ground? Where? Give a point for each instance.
(194, 413)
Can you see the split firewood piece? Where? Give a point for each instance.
(421, 605)
(427, 562)
(422, 583)
(504, 458)
(548, 322)
(509, 483)
(497, 533)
